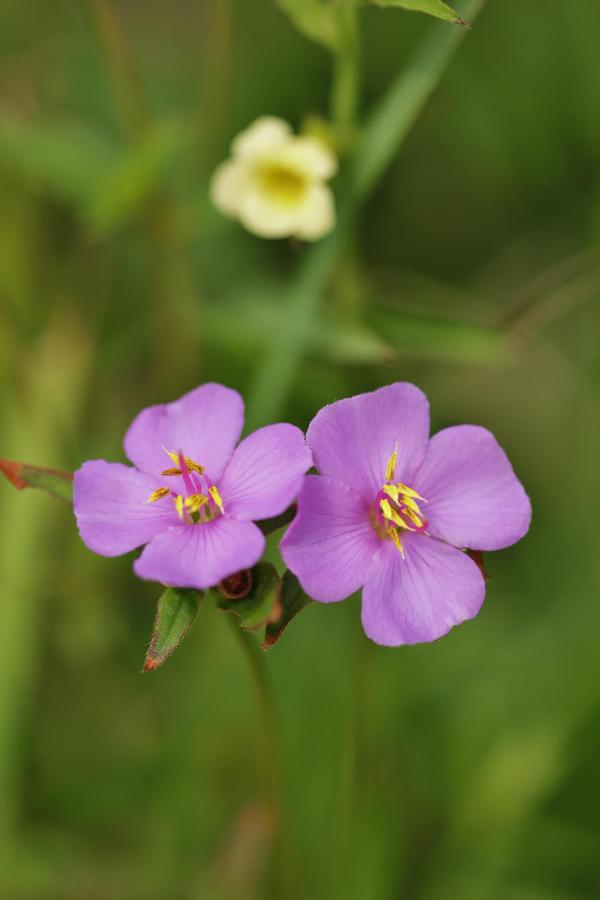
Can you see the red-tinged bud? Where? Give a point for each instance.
(237, 586)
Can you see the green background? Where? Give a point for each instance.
(468, 768)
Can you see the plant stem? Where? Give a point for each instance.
(262, 683)
(383, 134)
(344, 90)
(355, 777)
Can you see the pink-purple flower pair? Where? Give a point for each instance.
(391, 511)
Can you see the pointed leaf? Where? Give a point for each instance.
(293, 600)
(432, 7)
(316, 19)
(21, 475)
(176, 613)
(260, 596)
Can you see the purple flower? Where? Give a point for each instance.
(192, 496)
(392, 511)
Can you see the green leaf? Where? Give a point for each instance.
(431, 7)
(258, 602)
(292, 601)
(317, 19)
(176, 613)
(21, 475)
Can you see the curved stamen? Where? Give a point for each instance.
(197, 504)
(396, 507)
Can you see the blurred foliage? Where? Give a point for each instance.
(464, 769)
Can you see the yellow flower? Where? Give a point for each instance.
(275, 182)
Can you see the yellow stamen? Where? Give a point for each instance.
(414, 518)
(409, 503)
(190, 465)
(391, 466)
(157, 494)
(214, 493)
(390, 513)
(408, 492)
(195, 502)
(171, 472)
(392, 491)
(179, 505)
(393, 534)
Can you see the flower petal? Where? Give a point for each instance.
(419, 598)
(199, 556)
(331, 543)
(308, 156)
(316, 215)
(205, 425)
(352, 440)
(227, 184)
(474, 498)
(267, 215)
(265, 135)
(111, 508)
(265, 472)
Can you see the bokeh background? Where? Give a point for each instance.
(469, 768)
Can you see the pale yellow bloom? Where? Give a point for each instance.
(274, 182)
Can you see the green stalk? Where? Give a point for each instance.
(260, 676)
(344, 90)
(381, 139)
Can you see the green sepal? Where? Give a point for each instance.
(259, 603)
(176, 613)
(21, 475)
(292, 601)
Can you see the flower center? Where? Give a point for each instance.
(282, 184)
(396, 508)
(200, 500)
